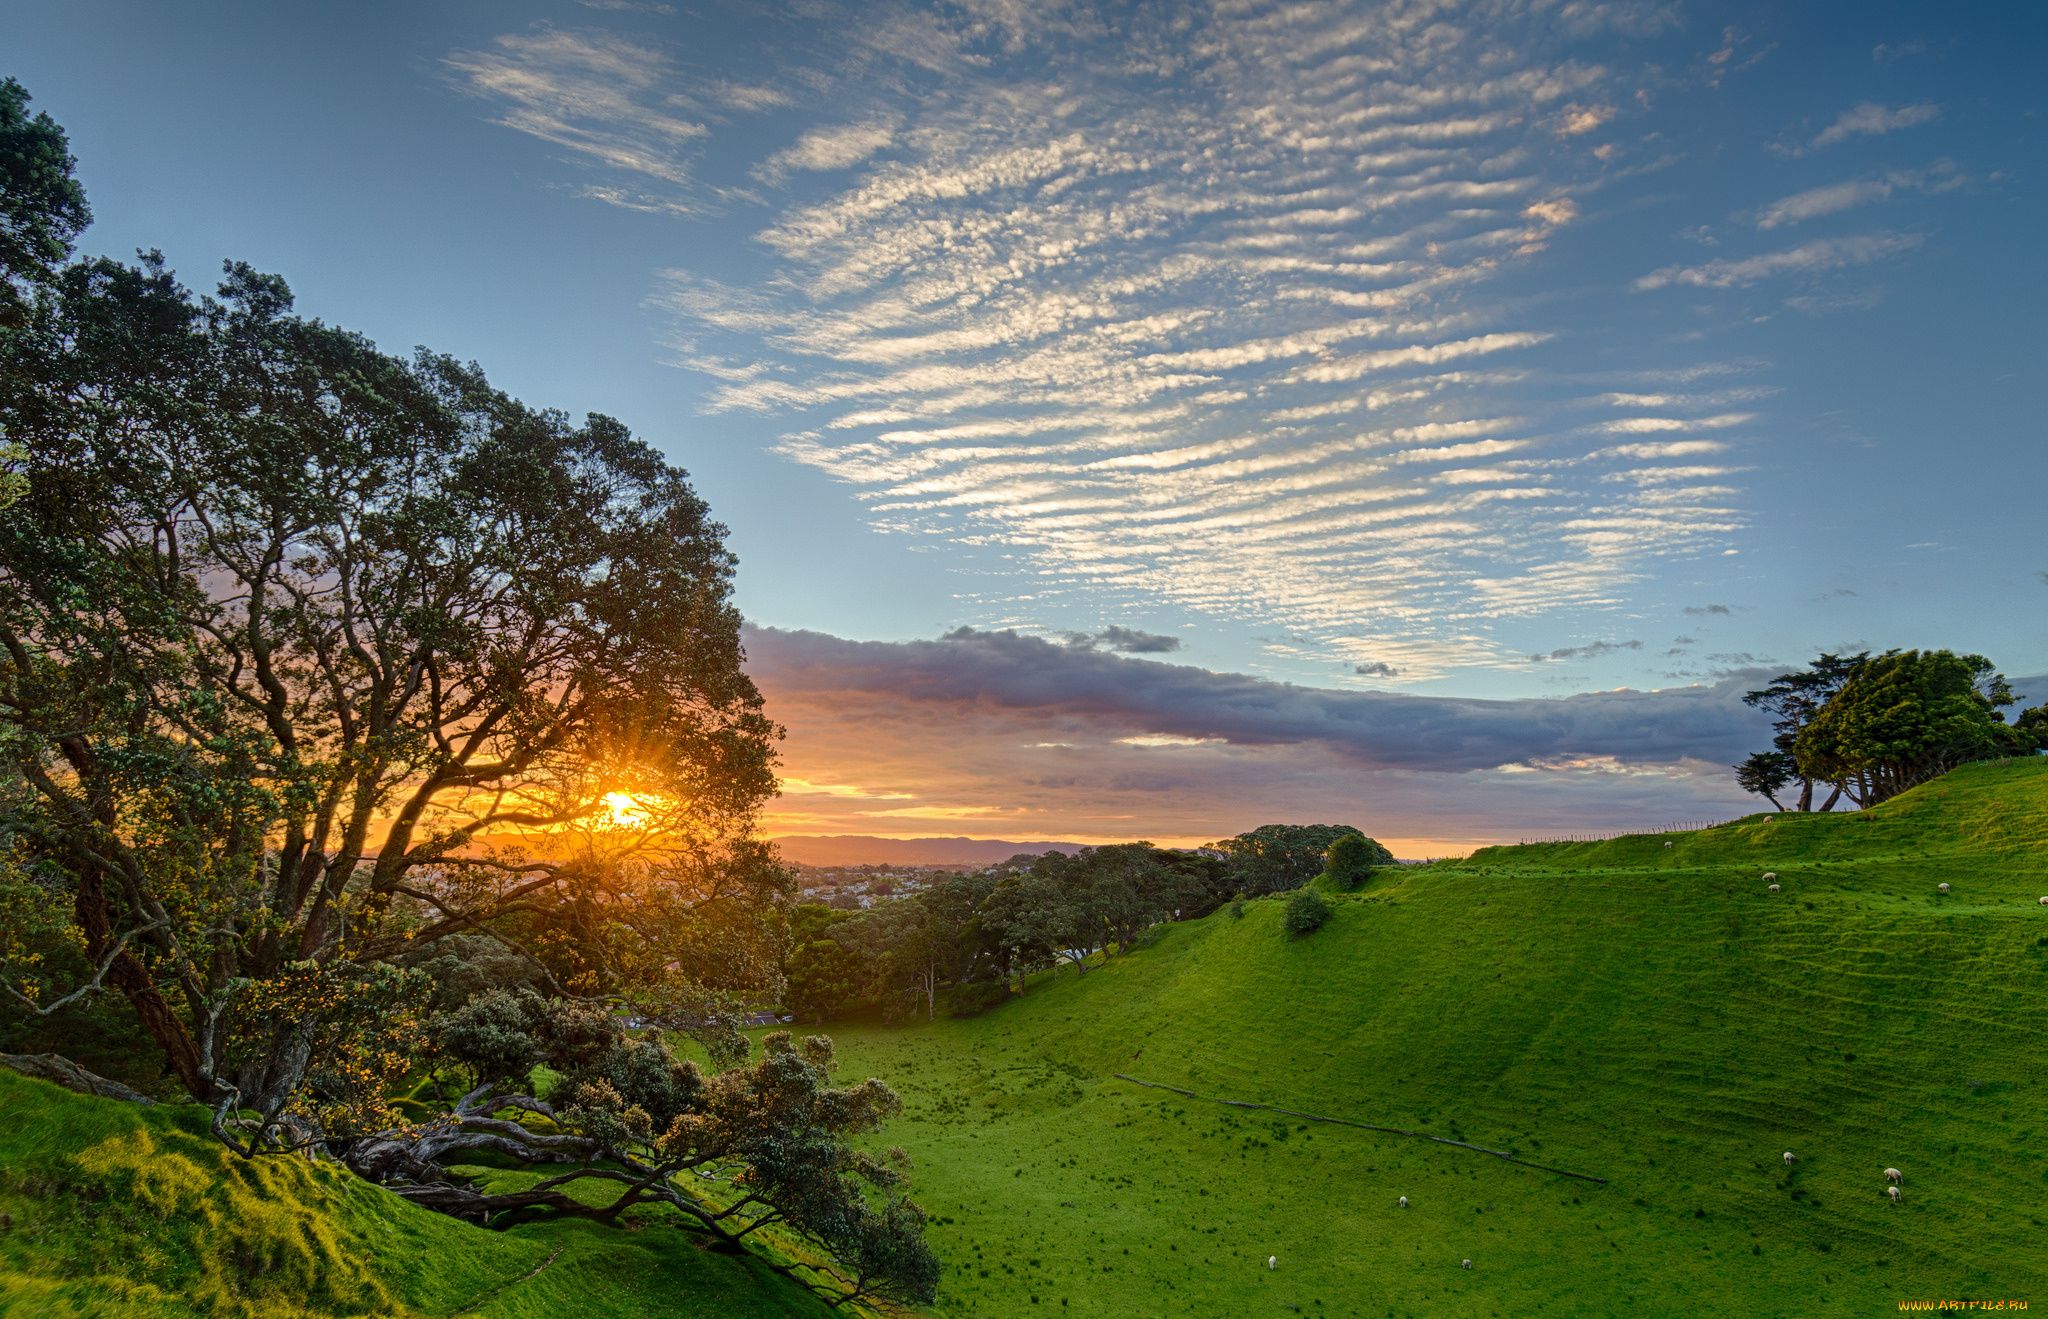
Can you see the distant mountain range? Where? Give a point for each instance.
(865, 850)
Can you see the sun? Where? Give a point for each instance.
(622, 810)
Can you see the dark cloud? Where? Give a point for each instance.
(1376, 669)
(1707, 609)
(1126, 640)
(1133, 642)
(1593, 651)
(2043, 576)
(1019, 676)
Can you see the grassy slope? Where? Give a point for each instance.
(1647, 1014)
(110, 1210)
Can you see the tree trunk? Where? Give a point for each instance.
(131, 977)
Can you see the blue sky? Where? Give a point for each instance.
(1463, 350)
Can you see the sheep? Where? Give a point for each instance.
(2044, 902)
(1770, 875)
(1790, 1157)
(1404, 1202)
(1893, 1191)
(1942, 887)
(1774, 888)
(1667, 844)
(1894, 1176)
(1272, 1261)
(1468, 1263)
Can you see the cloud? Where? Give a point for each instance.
(1807, 259)
(1019, 675)
(629, 6)
(1130, 641)
(1942, 176)
(1593, 651)
(1081, 744)
(835, 147)
(1702, 610)
(598, 95)
(1376, 669)
(1870, 118)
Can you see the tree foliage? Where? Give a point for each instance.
(1275, 857)
(1305, 912)
(1793, 699)
(1904, 717)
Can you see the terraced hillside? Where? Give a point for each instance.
(1643, 1013)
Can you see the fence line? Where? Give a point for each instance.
(1686, 827)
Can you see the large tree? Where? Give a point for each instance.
(1276, 857)
(1904, 717)
(311, 655)
(1793, 699)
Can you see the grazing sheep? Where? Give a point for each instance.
(1893, 1191)
(1894, 1176)
(1404, 1202)
(1942, 887)
(1774, 888)
(1667, 844)
(1770, 874)
(2044, 902)
(1272, 1261)
(1789, 1156)
(1468, 1263)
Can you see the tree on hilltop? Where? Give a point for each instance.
(1904, 717)
(1794, 699)
(1275, 857)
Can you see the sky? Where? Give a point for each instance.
(1158, 420)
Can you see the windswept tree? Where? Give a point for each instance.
(1904, 717)
(1793, 699)
(311, 656)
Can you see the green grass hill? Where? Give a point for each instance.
(1644, 1013)
(108, 1209)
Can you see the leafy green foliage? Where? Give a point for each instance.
(823, 977)
(1275, 857)
(311, 655)
(1306, 912)
(1351, 861)
(1905, 717)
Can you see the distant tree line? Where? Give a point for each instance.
(970, 939)
(1868, 727)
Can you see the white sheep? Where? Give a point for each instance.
(1942, 887)
(1789, 1156)
(1893, 1191)
(1468, 1263)
(1774, 888)
(1667, 844)
(1272, 1261)
(2044, 902)
(1894, 1176)
(1404, 1202)
(1770, 874)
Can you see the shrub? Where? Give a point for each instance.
(1306, 911)
(975, 997)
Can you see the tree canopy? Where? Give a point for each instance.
(1872, 727)
(357, 718)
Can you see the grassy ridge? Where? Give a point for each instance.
(111, 1210)
(1647, 1014)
